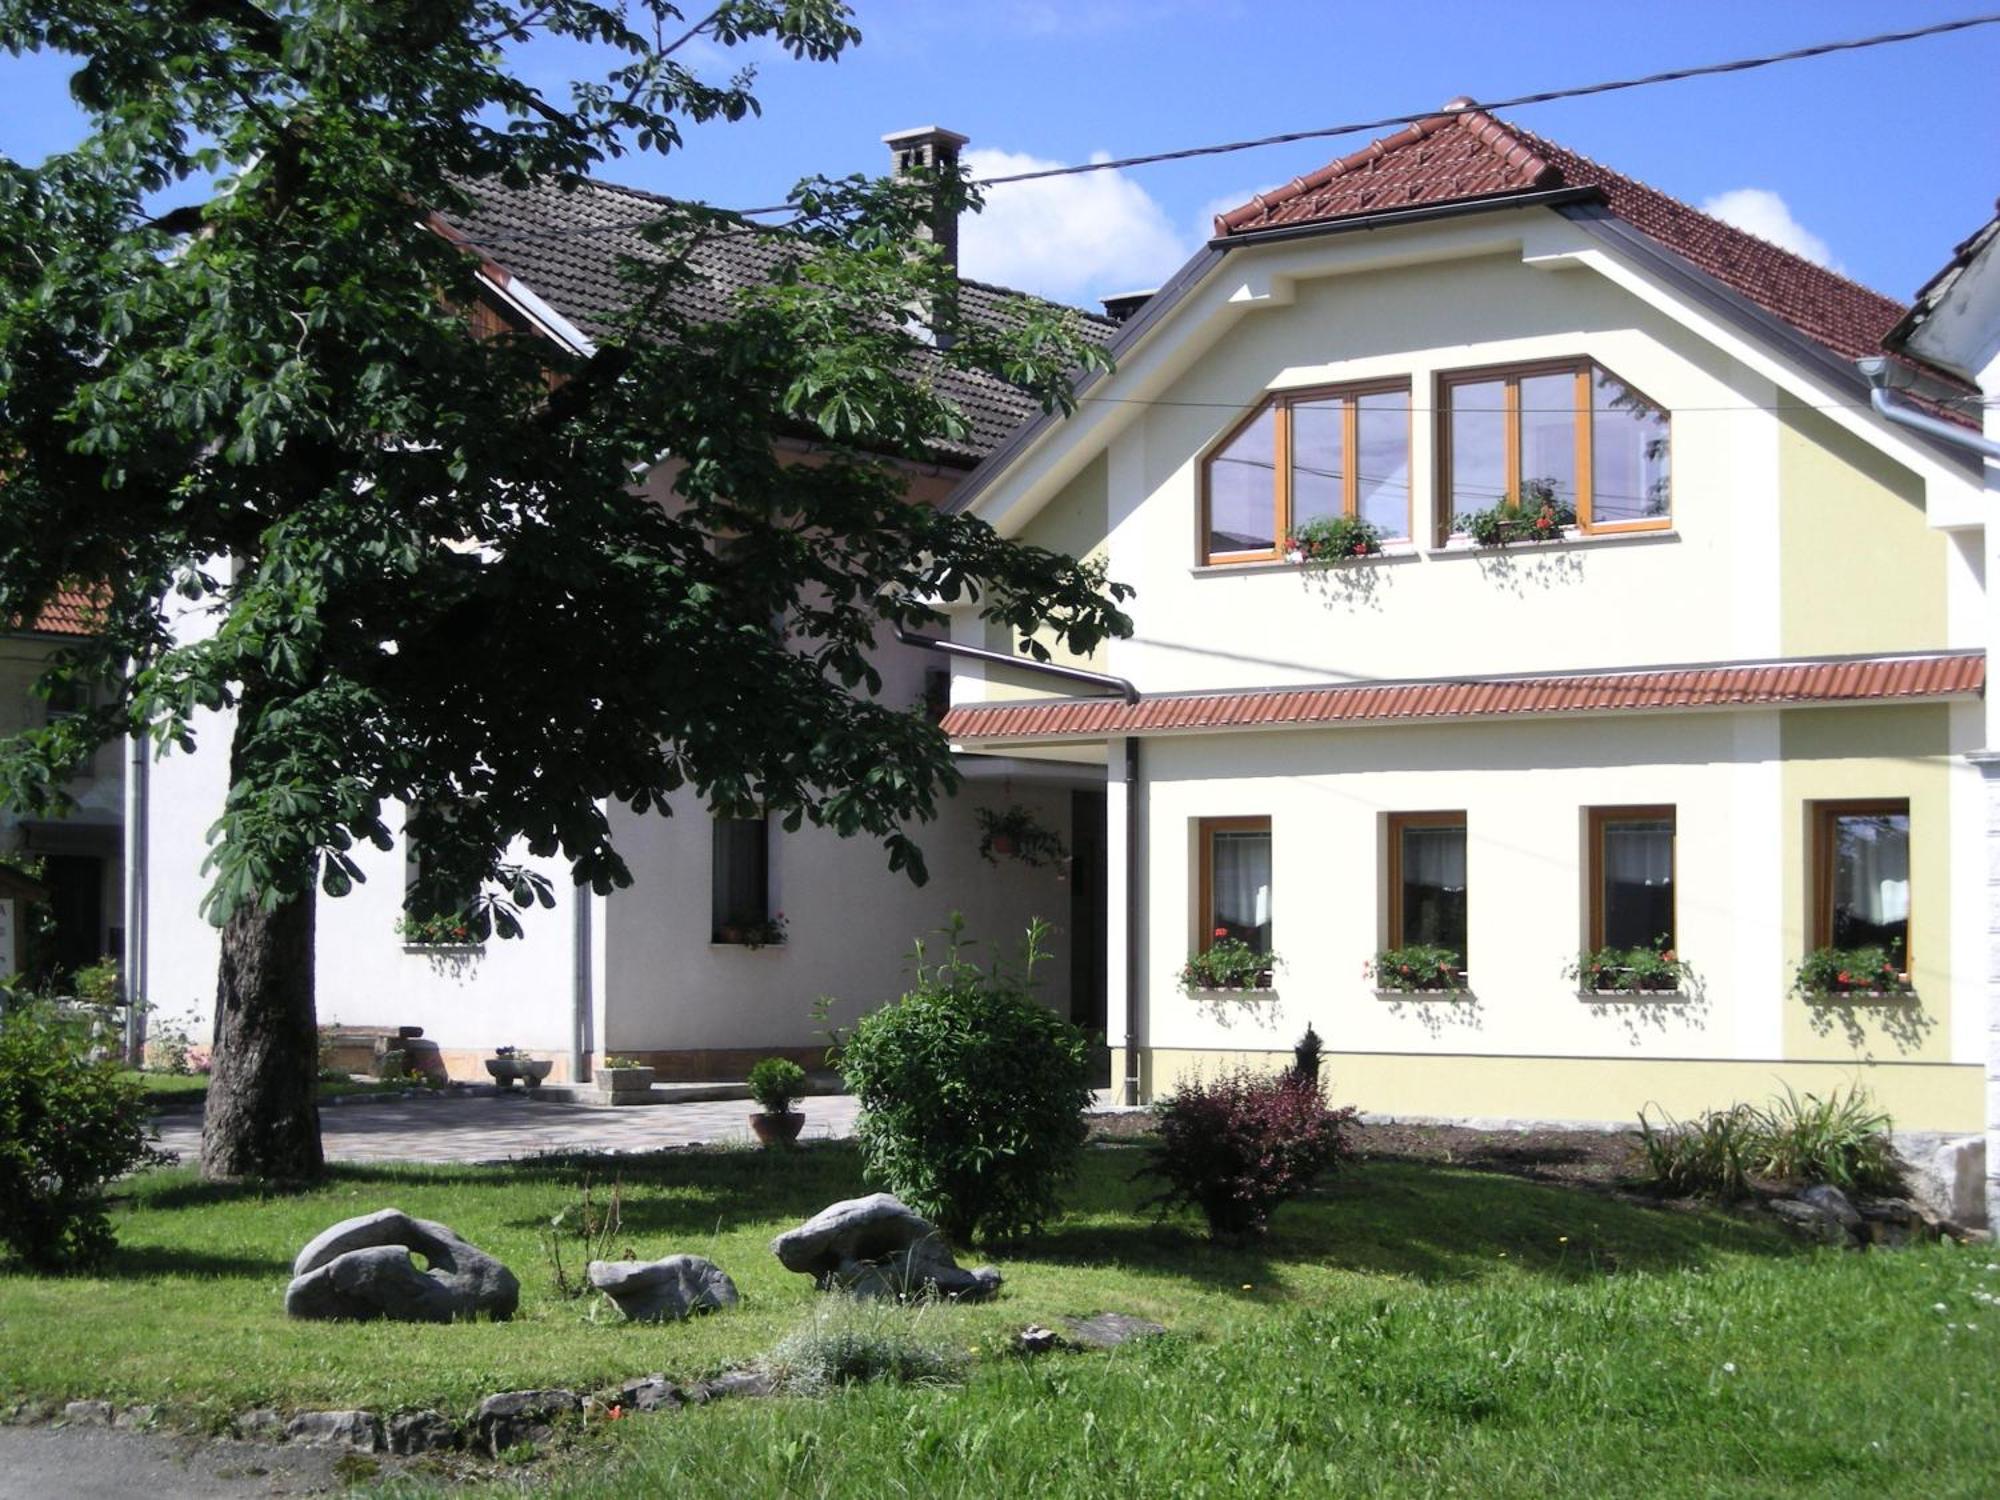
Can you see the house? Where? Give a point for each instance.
(731, 931)
(75, 864)
(1661, 639)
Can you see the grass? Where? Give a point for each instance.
(1409, 1329)
(189, 1091)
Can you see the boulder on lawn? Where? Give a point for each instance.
(880, 1247)
(361, 1269)
(659, 1291)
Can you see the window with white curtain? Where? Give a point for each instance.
(1236, 882)
(1632, 854)
(1862, 850)
(1427, 881)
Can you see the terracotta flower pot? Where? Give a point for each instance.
(778, 1130)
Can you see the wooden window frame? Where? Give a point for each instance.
(1280, 405)
(1205, 831)
(1585, 371)
(1820, 928)
(1397, 823)
(1599, 818)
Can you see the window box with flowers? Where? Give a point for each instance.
(449, 930)
(768, 933)
(1417, 969)
(1228, 963)
(1536, 514)
(1657, 972)
(1330, 540)
(1871, 973)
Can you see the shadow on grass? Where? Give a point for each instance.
(159, 1260)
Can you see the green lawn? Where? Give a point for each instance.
(188, 1091)
(1411, 1329)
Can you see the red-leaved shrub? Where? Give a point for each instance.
(1240, 1145)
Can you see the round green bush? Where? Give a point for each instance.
(69, 1123)
(775, 1082)
(972, 1095)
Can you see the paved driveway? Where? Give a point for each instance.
(497, 1128)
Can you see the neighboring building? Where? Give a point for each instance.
(1733, 709)
(666, 970)
(80, 858)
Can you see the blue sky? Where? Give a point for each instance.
(1875, 162)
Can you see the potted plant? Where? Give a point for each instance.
(1015, 833)
(1417, 969)
(624, 1080)
(1536, 514)
(1871, 973)
(1333, 539)
(1228, 963)
(774, 1084)
(1657, 970)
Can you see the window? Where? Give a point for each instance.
(431, 915)
(1861, 876)
(1308, 457)
(1236, 882)
(740, 892)
(1632, 878)
(1427, 881)
(1570, 433)
(70, 699)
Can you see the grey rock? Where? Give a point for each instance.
(1037, 1340)
(1110, 1330)
(361, 1268)
(1810, 1222)
(137, 1416)
(261, 1425)
(1946, 1175)
(88, 1413)
(657, 1291)
(732, 1383)
(422, 1432)
(879, 1247)
(358, 1430)
(1830, 1199)
(648, 1393)
(512, 1417)
(34, 1412)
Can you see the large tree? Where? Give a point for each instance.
(241, 399)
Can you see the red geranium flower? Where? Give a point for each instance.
(1221, 932)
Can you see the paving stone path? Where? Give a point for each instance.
(496, 1129)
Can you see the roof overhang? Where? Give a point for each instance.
(1802, 682)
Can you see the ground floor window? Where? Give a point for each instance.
(1861, 876)
(740, 888)
(1236, 882)
(1427, 881)
(1632, 878)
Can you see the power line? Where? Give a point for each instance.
(1519, 101)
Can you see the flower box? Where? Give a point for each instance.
(506, 1071)
(625, 1085)
(1872, 974)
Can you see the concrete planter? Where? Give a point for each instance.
(506, 1071)
(625, 1085)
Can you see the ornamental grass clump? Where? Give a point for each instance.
(856, 1341)
(972, 1093)
(69, 1124)
(1842, 1139)
(1237, 1146)
(1711, 1155)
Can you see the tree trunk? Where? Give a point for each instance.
(262, 1117)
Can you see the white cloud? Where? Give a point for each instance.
(1766, 215)
(1070, 238)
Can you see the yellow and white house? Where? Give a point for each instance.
(1662, 638)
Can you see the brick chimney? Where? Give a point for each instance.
(932, 148)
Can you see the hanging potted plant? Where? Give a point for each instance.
(1015, 833)
(774, 1084)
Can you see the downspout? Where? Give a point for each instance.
(134, 957)
(1123, 688)
(579, 985)
(1881, 395)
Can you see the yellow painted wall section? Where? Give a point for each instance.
(1839, 755)
(1597, 1089)
(1858, 567)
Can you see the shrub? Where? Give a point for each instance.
(775, 1082)
(1306, 1055)
(1239, 1146)
(1420, 968)
(1711, 1155)
(1841, 1139)
(68, 1125)
(972, 1094)
(849, 1341)
(1228, 963)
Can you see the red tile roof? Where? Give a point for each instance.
(1745, 685)
(68, 612)
(1470, 155)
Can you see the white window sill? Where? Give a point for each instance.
(443, 948)
(1258, 992)
(742, 947)
(1392, 552)
(1633, 997)
(1864, 997)
(1464, 546)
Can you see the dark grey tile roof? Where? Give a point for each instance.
(567, 245)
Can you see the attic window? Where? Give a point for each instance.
(1568, 434)
(1303, 457)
